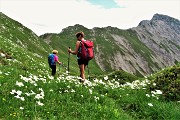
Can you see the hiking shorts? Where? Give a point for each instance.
(80, 62)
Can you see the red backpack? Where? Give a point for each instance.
(87, 50)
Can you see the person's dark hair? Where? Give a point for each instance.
(79, 34)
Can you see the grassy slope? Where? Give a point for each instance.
(65, 98)
(22, 45)
(22, 36)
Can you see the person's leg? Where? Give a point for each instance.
(81, 67)
(53, 70)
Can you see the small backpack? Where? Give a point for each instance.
(87, 50)
(51, 59)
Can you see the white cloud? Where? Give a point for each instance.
(44, 16)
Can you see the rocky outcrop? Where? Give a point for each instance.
(162, 35)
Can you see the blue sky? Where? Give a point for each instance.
(51, 16)
(108, 4)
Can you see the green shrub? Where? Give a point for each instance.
(168, 81)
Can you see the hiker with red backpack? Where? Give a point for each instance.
(84, 51)
(52, 60)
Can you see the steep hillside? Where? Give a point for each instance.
(18, 42)
(142, 50)
(21, 48)
(14, 32)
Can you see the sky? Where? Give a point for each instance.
(51, 16)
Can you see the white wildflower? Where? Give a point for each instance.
(96, 80)
(90, 91)
(158, 92)
(25, 78)
(150, 104)
(32, 92)
(22, 98)
(147, 95)
(39, 103)
(19, 92)
(106, 78)
(13, 91)
(3, 55)
(51, 90)
(21, 108)
(102, 95)
(41, 89)
(88, 83)
(96, 98)
(72, 91)
(39, 96)
(17, 96)
(6, 74)
(28, 94)
(20, 84)
(50, 77)
(66, 91)
(35, 78)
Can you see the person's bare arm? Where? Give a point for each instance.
(59, 62)
(75, 52)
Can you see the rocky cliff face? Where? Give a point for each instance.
(159, 47)
(162, 35)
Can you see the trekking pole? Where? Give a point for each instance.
(59, 70)
(88, 73)
(68, 60)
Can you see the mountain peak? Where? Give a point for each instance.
(159, 17)
(164, 18)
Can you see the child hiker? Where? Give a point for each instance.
(52, 60)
